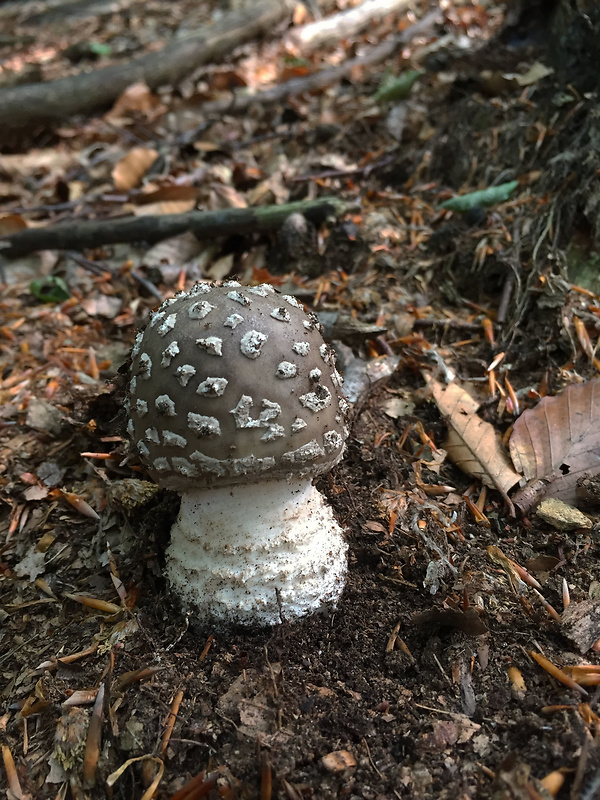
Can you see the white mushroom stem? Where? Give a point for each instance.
(256, 554)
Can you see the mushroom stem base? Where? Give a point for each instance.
(258, 554)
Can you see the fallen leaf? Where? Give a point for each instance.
(449, 732)
(338, 760)
(11, 223)
(397, 87)
(559, 439)
(398, 407)
(536, 72)
(37, 161)
(255, 713)
(43, 416)
(221, 268)
(31, 565)
(467, 621)
(588, 490)
(483, 197)
(177, 250)
(472, 444)
(542, 563)
(371, 526)
(36, 493)
(129, 171)
(165, 193)
(136, 99)
(102, 305)
(164, 207)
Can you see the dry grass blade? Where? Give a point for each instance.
(473, 444)
(559, 439)
(114, 776)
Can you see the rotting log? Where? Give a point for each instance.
(79, 235)
(54, 101)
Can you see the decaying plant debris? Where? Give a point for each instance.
(463, 659)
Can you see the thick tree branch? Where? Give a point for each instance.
(79, 235)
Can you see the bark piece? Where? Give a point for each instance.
(581, 624)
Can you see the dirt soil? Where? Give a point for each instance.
(421, 683)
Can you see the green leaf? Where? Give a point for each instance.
(99, 49)
(50, 290)
(295, 61)
(484, 197)
(396, 88)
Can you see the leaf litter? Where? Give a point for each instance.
(412, 688)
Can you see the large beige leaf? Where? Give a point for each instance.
(473, 444)
(129, 171)
(559, 439)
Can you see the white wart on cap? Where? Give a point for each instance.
(234, 396)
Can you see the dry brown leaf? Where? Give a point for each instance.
(129, 171)
(271, 190)
(164, 207)
(390, 501)
(102, 305)
(36, 493)
(137, 99)
(221, 268)
(11, 223)
(472, 444)
(228, 197)
(176, 250)
(467, 621)
(559, 439)
(51, 161)
(165, 192)
(338, 760)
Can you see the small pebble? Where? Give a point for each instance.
(562, 516)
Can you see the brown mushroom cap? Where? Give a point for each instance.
(234, 384)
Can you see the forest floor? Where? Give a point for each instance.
(421, 684)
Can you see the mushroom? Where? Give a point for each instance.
(235, 404)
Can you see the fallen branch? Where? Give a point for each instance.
(243, 99)
(79, 235)
(89, 91)
(65, 11)
(343, 25)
